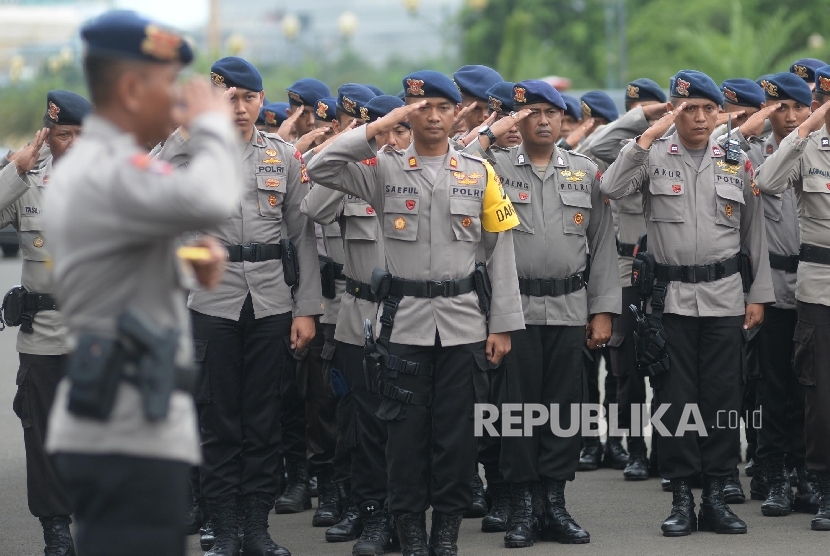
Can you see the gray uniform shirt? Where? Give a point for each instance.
(274, 185)
(21, 202)
(114, 216)
(431, 232)
(697, 216)
(804, 165)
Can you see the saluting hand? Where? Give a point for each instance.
(304, 143)
(754, 125)
(393, 118)
(503, 126)
(286, 129)
(815, 122)
(470, 137)
(660, 127)
(302, 332)
(460, 124)
(330, 140)
(723, 117)
(578, 134)
(199, 97)
(26, 158)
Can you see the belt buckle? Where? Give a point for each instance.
(435, 288)
(688, 274)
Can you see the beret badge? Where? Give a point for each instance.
(771, 89)
(322, 108)
(218, 79)
(633, 92)
(824, 83)
(730, 95)
(270, 117)
(161, 44)
(364, 113)
(495, 104)
(415, 87)
(295, 97)
(519, 94)
(800, 71)
(682, 87)
(349, 105)
(586, 109)
(53, 111)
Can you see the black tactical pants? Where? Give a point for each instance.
(37, 379)
(431, 450)
(320, 402)
(544, 366)
(243, 361)
(811, 361)
(125, 505)
(631, 384)
(707, 361)
(488, 387)
(361, 438)
(781, 395)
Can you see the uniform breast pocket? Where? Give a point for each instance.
(270, 196)
(400, 218)
(466, 219)
(773, 206)
(524, 208)
(576, 211)
(816, 202)
(729, 202)
(666, 200)
(32, 242)
(359, 222)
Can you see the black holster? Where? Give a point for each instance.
(372, 359)
(642, 274)
(484, 289)
(745, 262)
(290, 263)
(327, 276)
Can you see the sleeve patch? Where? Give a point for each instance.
(146, 163)
(370, 161)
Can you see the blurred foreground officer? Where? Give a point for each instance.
(123, 430)
(563, 216)
(437, 207)
(41, 341)
(706, 233)
(802, 162)
(265, 303)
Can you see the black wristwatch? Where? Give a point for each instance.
(486, 131)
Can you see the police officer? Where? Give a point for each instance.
(302, 100)
(805, 68)
(432, 202)
(600, 107)
(802, 163)
(243, 328)
(563, 216)
(273, 115)
(41, 341)
(114, 216)
(361, 441)
(571, 121)
(701, 211)
(473, 83)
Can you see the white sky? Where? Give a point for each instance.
(184, 14)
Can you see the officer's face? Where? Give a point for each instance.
(432, 122)
(397, 139)
(246, 106)
(697, 121)
(569, 123)
(821, 99)
(512, 138)
(61, 138)
(149, 93)
(787, 118)
(478, 114)
(541, 128)
(305, 122)
(738, 121)
(346, 119)
(333, 126)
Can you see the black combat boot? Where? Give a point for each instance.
(412, 531)
(682, 521)
(538, 505)
(206, 538)
(559, 525)
(378, 526)
(256, 541)
(297, 495)
(57, 536)
(443, 537)
(501, 506)
(780, 495)
(807, 497)
(351, 523)
(478, 508)
(328, 503)
(665, 484)
(637, 467)
(591, 454)
(714, 514)
(224, 513)
(524, 528)
(822, 520)
(758, 487)
(615, 455)
(733, 491)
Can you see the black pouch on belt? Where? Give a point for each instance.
(95, 370)
(642, 274)
(484, 289)
(290, 264)
(327, 276)
(745, 261)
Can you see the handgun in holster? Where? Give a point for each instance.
(290, 263)
(372, 359)
(745, 264)
(327, 276)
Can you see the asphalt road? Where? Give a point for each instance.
(623, 518)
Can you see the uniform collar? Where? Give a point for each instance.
(521, 157)
(412, 161)
(823, 138)
(770, 145)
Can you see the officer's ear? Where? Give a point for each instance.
(457, 110)
(261, 98)
(335, 126)
(815, 106)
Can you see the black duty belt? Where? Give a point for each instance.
(360, 290)
(814, 254)
(254, 252)
(626, 249)
(787, 263)
(693, 274)
(35, 302)
(431, 289)
(551, 287)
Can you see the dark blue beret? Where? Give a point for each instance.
(273, 113)
(805, 68)
(823, 80)
(475, 80)
(500, 97)
(742, 92)
(326, 109)
(307, 91)
(644, 89)
(599, 104)
(376, 90)
(234, 71)
(125, 34)
(352, 99)
(66, 108)
(533, 91)
(574, 110)
(430, 84)
(381, 105)
(788, 86)
(695, 84)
